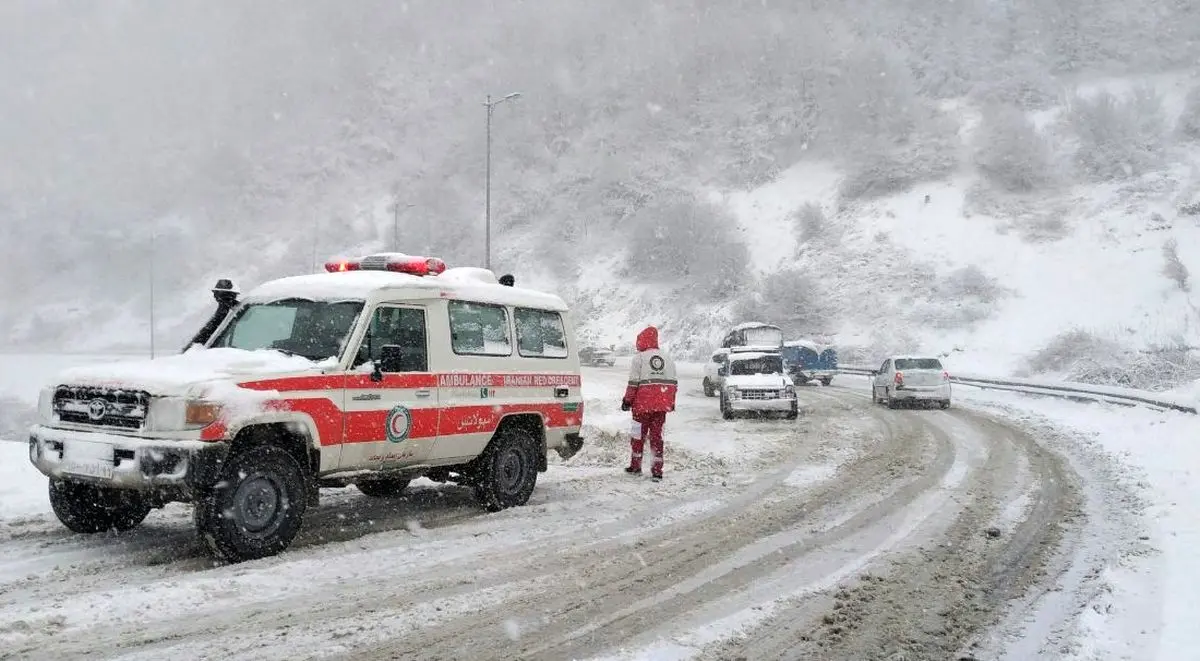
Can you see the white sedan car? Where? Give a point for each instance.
(910, 380)
(754, 382)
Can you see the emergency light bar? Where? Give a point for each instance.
(389, 261)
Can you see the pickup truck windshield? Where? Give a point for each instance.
(313, 329)
(767, 365)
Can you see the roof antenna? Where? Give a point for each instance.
(507, 280)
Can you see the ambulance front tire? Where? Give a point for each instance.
(88, 509)
(506, 473)
(388, 487)
(256, 508)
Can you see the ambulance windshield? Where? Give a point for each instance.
(313, 329)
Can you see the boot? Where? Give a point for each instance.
(633, 469)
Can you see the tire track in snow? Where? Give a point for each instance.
(935, 601)
(619, 594)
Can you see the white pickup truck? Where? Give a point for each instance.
(754, 382)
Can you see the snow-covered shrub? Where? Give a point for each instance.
(792, 299)
(1080, 356)
(884, 170)
(970, 282)
(810, 222)
(1189, 120)
(1011, 152)
(1118, 138)
(1173, 268)
(681, 240)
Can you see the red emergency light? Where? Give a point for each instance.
(395, 262)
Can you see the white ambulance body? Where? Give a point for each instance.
(382, 370)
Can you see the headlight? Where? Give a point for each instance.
(790, 391)
(176, 414)
(200, 413)
(732, 391)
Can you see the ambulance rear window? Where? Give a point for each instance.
(540, 334)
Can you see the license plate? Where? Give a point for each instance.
(88, 458)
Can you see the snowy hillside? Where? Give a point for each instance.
(955, 268)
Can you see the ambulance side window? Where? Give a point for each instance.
(404, 327)
(479, 329)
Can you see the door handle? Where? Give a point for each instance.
(423, 393)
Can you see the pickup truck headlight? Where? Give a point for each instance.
(199, 414)
(177, 414)
(733, 393)
(790, 391)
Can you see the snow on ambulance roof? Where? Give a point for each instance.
(467, 283)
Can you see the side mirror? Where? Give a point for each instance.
(391, 359)
(874, 372)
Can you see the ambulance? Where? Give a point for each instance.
(380, 370)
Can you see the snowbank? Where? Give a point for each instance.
(22, 487)
(1147, 608)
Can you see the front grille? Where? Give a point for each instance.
(762, 394)
(103, 407)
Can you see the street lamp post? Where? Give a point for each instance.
(488, 177)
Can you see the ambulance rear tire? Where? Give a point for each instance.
(387, 487)
(506, 472)
(88, 509)
(257, 506)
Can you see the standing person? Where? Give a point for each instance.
(651, 396)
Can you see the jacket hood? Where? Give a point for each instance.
(647, 339)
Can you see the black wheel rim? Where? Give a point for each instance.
(259, 504)
(511, 471)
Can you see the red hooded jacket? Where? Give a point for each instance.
(652, 383)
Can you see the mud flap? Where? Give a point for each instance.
(572, 446)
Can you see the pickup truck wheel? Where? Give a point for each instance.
(88, 509)
(388, 487)
(507, 471)
(794, 413)
(726, 412)
(257, 506)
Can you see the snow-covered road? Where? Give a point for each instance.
(855, 532)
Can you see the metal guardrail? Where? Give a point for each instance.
(1073, 391)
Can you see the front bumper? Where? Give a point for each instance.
(177, 468)
(922, 392)
(783, 405)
